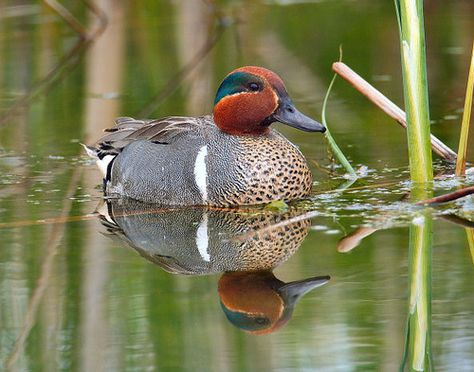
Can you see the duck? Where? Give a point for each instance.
(228, 158)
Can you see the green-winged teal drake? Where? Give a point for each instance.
(232, 157)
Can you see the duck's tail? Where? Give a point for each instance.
(103, 160)
(91, 151)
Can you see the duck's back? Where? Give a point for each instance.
(203, 165)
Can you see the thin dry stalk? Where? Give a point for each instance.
(448, 197)
(387, 106)
(351, 241)
(470, 240)
(466, 118)
(67, 16)
(459, 221)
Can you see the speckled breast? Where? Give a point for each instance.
(265, 168)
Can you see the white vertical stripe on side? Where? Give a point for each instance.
(200, 172)
(202, 239)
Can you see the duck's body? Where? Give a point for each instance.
(198, 164)
(197, 161)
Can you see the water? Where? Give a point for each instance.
(86, 287)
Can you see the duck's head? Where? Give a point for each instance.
(251, 98)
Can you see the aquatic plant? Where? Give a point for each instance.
(418, 332)
(332, 143)
(415, 85)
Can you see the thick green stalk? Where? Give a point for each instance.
(412, 45)
(466, 118)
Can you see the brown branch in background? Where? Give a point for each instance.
(57, 230)
(67, 16)
(51, 246)
(68, 61)
(387, 106)
(46, 221)
(175, 81)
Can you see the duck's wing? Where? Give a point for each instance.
(163, 131)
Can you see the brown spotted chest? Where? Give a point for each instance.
(270, 168)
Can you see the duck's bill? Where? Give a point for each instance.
(293, 291)
(287, 114)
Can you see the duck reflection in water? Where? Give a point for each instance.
(243, 244)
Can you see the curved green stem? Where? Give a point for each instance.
(332, 143)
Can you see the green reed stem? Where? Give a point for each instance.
(466, 118)
(412, 45)
(332, 143)
(418, 338)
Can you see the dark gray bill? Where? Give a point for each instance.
(293, 291)
(286, 113)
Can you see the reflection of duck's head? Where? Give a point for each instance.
(258, 302)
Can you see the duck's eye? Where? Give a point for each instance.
(254, 87)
